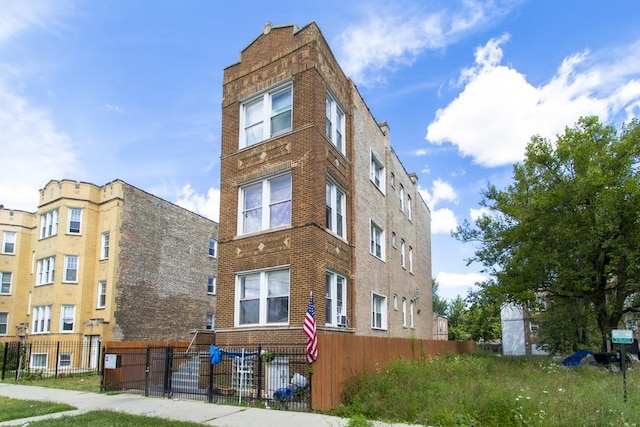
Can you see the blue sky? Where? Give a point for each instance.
(130, 89)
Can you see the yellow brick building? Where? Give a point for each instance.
(107, 262)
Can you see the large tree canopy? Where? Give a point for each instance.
(568, 227)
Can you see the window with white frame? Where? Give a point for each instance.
(262, 297)
(335, 208)
(210, 321)
(38, 361)
(395, 301)
(8, 242)
(377, 172)
(335, 299)
(102, 294)
(410, 259)
(74, 220)
(377, 241)
(67, 316)
(213, 248)
(393, 239)
(404, 311)
(335, 123)
(533, 325)
(104, 246)
(41, 319)
(409, 208)
(211, 285)
(401, 198)
(265, 204)
(5, 282)
(393, 180)
(266, 115)
(378, 311)
(70, 268)
(402, 253)
(4, 322)
(64, 360)
(45, 270)
(411, 316)
(49, 224)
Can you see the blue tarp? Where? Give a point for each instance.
(576, 358)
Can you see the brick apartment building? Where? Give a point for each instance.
(314, 199)
(107, 262)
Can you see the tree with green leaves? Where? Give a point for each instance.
(568, 227)
(457, 320)
(440, 304)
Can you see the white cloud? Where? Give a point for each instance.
(443, 221)
(207, 205)
(450, 285)
(393, 34)
(420, 152)
(440, 190)
(477, 213)
(33, 152)
(501, 110)
(18, 16)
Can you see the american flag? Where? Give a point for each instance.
(309, 328)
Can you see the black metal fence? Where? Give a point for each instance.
(269, 376)
(29, 359)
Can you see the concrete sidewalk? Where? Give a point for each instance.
(182, 410)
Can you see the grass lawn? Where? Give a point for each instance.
(11, 409)
(110, 419)
(488, 390)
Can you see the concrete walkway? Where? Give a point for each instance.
(182, 410)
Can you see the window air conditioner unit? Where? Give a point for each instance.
(342, 321)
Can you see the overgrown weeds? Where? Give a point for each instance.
(485, 390)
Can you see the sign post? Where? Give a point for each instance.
(622, 337)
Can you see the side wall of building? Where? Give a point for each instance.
(161, 289)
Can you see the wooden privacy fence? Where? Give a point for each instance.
(340, 357)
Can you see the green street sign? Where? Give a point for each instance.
(622, 336)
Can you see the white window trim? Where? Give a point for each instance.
(266, 203)
(401, 198)
(335, 112)
(104, 245)
(410, 259)
(375, 161)
(102, 292)
(403, 262)
(63, 308)
(213, 321)
(41, 314)
(46, 361)
(215, 248)
(412, 324)
(66, 268)
(334, 189)
(6, 323)
(404, 312)
(2, 282)
(335, 311)
(6, 240)
(262, 311)
(49, 224)
(409, 208)
(50, 264)
(265, 97)
(213, 285)
(383, 311)
(373, 225)
(60, 365)
(69, 217)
